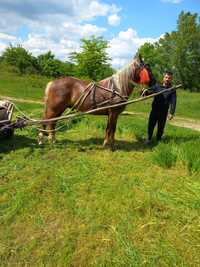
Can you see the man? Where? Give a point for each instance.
(160, 106)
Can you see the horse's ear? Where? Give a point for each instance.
(141, 59)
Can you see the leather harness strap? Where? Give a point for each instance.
(91, 89)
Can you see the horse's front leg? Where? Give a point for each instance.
(49, 114)
(110, 130)
(51, 136)
(41, 135)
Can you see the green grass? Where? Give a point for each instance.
(77, 204)
(26, 86)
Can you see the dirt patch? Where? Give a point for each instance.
(176, 121)
(21, 100)
(186, 123)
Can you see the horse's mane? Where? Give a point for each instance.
(123, 76)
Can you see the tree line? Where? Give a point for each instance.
(92, 62)
(177, 51)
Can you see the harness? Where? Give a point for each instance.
(91, 89)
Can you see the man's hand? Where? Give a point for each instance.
(170, 117)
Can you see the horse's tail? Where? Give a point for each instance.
(46, 94)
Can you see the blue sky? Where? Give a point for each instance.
(58, 25)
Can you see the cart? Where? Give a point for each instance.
(6, 112)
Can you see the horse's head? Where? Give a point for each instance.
(143, 73)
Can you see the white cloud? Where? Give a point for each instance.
(96, 9)
(2, 47)
(54, 25)
(121, 48)
(7, 37)
(114, 20)
(172, 1)
(39, 44)
(84, 30)
(58, 25)
(124, 46)
(14, 13)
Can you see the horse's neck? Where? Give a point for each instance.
(126, 89)
(111, 83)
(129, 88)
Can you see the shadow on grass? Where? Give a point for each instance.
(21, 141)
(17, 142)
(97, 144)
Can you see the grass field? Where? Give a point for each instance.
(77, 204)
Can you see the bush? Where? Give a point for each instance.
(20, 58)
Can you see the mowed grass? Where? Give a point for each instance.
(77, 204)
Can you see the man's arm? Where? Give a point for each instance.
(149, 91)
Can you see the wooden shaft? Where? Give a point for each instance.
(77, 114)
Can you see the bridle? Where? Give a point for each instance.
(146, 75)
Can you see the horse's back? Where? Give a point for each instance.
(65, 83)
(62, 91)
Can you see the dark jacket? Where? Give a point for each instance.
(164, 101)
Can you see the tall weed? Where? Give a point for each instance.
(165, 156)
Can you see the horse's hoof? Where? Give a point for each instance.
(105, 143)
(51, 139)
(40, 143)
(108, 145)
(40, 139)
(52, 142)
(112, 148)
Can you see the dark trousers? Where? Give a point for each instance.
(159, 117)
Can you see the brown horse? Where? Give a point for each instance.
(74, 93)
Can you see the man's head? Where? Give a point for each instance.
(167, 79)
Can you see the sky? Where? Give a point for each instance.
(58, 25)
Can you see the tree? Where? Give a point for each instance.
(178, 51)
(188, 50)
(52, 67)
(19, 57)
(149, 54)
(93, 61)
